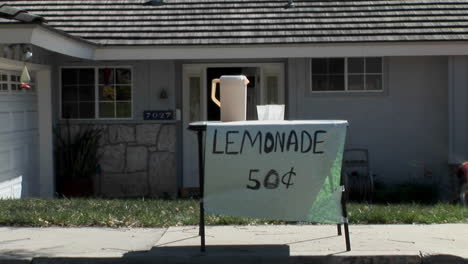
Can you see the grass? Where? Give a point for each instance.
(163, 213)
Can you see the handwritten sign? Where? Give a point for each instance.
(286, 170)
(158, 115)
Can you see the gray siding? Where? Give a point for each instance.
(405, 128)
(458, 109)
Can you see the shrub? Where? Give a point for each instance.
(408, 192)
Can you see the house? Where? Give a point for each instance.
(396, 70)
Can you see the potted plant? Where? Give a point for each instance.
(77, 160)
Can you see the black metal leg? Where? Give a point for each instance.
(344, 199)
(201, 171)
(348, 242)
(338, 227)
(346, 228)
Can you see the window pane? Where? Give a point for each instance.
(356, 82)
(356, 65)
(86, 76)
(106, 76)
(69, 76)
(86, 93)
(336, 83)
(319, 83)
(69, 110)
(319, 66)
(373, 65)
(70, 93)
(374, 82)
(87, 110)
(124, 93)
(15, 87)
(124, 110)
(336, 66)
(15, 78)
(123, 76)
(4, 87)
(106, 110)
(4, 77)
(106, 93)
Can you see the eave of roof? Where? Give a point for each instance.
(47, 38)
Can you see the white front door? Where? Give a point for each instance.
(266, 87)
(194, 102)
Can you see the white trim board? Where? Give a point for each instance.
(46, 38)
(294, 51)
(14, 65)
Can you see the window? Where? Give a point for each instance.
(10, 82)
(347, 74)
(15, 82)
(90, 93)
(4, 86)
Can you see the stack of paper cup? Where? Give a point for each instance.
(270, 112)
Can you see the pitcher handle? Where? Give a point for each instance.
(213, 92)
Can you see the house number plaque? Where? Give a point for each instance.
(158, 115)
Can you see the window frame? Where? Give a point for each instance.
(96, 92)
(346, 76)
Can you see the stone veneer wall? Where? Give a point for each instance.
(137, 160)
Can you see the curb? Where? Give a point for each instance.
(394, 259)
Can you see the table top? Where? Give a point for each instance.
(201, 125)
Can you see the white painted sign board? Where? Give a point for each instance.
(285, 170)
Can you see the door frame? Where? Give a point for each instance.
(200, 70)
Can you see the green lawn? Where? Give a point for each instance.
(163, 213)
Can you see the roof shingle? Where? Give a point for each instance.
(240, 22)
(10, 13)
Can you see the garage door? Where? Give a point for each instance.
(18, 137)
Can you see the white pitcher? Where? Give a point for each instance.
(233, 93)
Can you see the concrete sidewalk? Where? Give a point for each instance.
(235, 244)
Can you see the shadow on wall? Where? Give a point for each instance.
(408, 192)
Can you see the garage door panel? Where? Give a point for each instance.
(18, 143)
(9, 139)
(4, 122)
(18, 99)
(17, 123)
(18, 160)
(33, 173)
(4, 163)
(31, 120)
